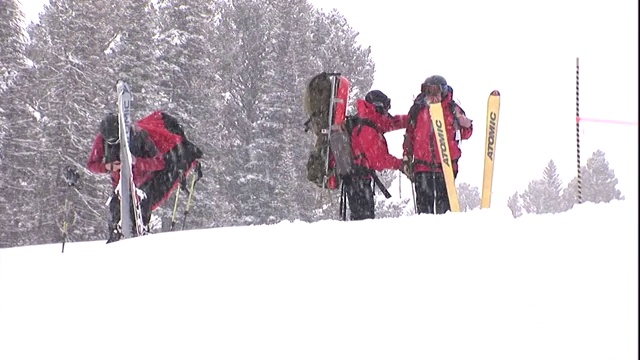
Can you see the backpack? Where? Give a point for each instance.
(317, 100)
(169, 137)
(325, 101)
(332, 157)
(180, 155)
(341, 144)
(341, 157)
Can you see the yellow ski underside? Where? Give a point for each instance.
(493, 112)
(437, 119)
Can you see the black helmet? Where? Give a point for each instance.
(109, 128)
(378, 99)
(433, 82)
(110, 131)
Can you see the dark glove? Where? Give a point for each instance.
(71, 176)
(112, 166)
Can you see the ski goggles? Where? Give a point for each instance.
(432, 90)
(386, 105)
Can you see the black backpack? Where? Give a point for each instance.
(340, 147)
(343, 152)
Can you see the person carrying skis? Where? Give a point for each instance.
(370, 151)
(161, 160)
(421, 157)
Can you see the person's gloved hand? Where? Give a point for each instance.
(113, 166)
(407, 168)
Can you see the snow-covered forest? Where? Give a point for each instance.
(233, 74)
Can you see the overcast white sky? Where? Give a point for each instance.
(528, 51)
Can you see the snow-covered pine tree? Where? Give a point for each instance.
(553, 189)
(543, 195)
(468, 196)
(514, 205)
(598, 182)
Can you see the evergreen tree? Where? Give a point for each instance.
(393, 208)
(533, 200)
(16, 139)
(272, 50)
(598, 182)
(543, 196)
(553, 201)
(468, 197)
(245, 72)
(514, 205)
(132, 54)
(337, 49)
(293, 54)
(190, 49)
(12, 42)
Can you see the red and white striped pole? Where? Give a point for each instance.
(578, 128)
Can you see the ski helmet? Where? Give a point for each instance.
(109, 128)
(378, 99)
(110, 131)
(435, 83)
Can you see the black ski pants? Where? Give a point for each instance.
(360, 197)
(431, 193)
(155, 190)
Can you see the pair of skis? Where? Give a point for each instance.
(335, 118)
(130, 224)
(437, 118)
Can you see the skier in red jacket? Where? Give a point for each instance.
(370, 151)
(421, 159)
(161, 159)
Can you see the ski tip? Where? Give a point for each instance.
(495, 93)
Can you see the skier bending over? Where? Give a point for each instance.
(161, 160)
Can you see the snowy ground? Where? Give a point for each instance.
(476, 285)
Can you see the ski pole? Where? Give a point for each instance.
(343, 202)
(413, 198)
(196, 176)
(65, 224)
(186, 209)
(380, 185)
(71, 177)
(175, 209)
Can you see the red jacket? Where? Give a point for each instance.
(420, 137)
(143, 167)
(369, 145)
(154, 125)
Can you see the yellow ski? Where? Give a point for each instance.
(437, 119)
(493, 113)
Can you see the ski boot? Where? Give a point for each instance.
(115, 233)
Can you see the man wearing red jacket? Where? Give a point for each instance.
(147, 160)
(421, 159)
(370, 151)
